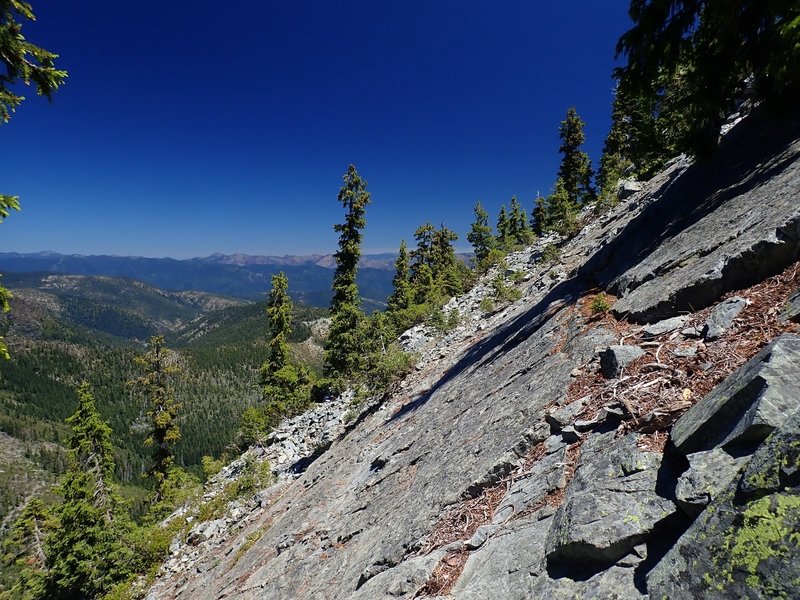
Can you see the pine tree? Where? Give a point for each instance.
(562, 213)
(279, 318)
(342, 351)
(709, 49)
(422, 281)
(85, 553)
(539, 216)
(23, 549)
(401, 297)
(480, 235)
(575, 171)
(444, 264)
(503, 229)
(284, 384)
(160, 367)
(519, 230)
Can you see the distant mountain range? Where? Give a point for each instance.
(236, 275)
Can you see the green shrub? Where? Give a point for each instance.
(551, 254)
(600, 304)
(504, 292)
(487, 305)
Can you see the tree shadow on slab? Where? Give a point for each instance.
(508, 337)
(757, 150)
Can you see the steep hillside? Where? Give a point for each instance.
(549, 450)
(65, 329)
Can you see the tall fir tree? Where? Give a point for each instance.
(445, 263)
(342, 350)
(575, 170)
(503, 229)
(159, 366)
(539, 215)
(519, 229)
(480, 234)
(401, 297)
(284, 384)
(422, 279)
(85, 552)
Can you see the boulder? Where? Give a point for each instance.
(748, 405)
(611, 504)
(745, 544)
(709, 473)
(791, 312)
(721, 318)
(627, 188)
(661, 327)
(560, 416)
(615, 358)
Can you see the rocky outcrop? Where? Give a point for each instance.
(491, 468)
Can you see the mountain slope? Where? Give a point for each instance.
(238, 276)
(512, 423)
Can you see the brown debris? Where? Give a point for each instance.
(461, 521)
(444, 575)
(657, 388)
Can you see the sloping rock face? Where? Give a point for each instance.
(362, 520)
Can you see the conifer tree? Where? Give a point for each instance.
(401, 297)
(480, 235)
(422, 281)
(23, 549)
(562, 213)
(159, 366)
(503, 229)
(342, 351)
(85, 553)
(575, 171)
(279, 318)
(444, 261)
(540, 215)
(284, 384)
(519, 230)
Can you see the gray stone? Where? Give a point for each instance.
(791, 312)
(615, 358)
(402, 581)
(743, 545)
(692, 332)
(656, 329)
(709, 473)
(685, 350)
(569, 435)
(553, 444)
(721, 318)
(627, 188)
(545, 476)
(560, 416)
(611, 505)
(748, 405)
(483, 533)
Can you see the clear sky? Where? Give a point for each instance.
(189, 127)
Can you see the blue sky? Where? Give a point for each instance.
(189, 127)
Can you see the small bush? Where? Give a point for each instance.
(495, 257)
(600, 304)
(551, 254)
(487, 305)
(504, 292)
